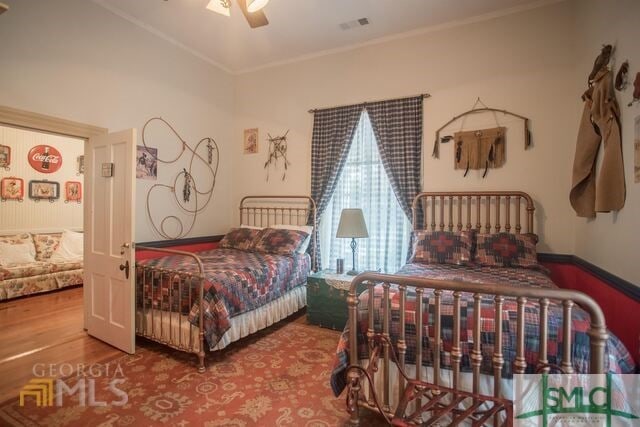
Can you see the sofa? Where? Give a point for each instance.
(42, 275)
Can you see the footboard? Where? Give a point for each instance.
(164, 301)
(429, 395)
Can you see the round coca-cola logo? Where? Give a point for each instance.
(45, 158)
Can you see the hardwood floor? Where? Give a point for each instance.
(45, 330)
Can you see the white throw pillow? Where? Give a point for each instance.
(20, 253)
(70, 248)
(306, 228)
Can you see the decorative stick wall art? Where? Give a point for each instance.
(277, 150)
(474, 110)
(189, 197)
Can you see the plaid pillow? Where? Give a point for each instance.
(239, 238)
(442, 247)
(506, 250)
(280, 241)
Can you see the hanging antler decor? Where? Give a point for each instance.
(277, 150)
(189, 187)
(474, 110)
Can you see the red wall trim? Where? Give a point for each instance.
(621, 311)
(193, 244)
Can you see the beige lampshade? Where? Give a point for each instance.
(352, 224)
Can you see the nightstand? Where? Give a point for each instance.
(327, 299)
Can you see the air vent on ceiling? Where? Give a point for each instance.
(354, 24)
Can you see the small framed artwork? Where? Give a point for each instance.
(80, 165)
(146, 163)
(5, 157)
(72, 191)
(12, 188)
(250, 143)
(44, 190)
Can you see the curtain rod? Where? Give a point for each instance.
(424, 95)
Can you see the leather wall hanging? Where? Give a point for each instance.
(474, 110)
(479, 149)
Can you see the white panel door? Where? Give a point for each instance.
(109, 256)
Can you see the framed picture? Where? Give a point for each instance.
(80, 165)
(44, 190)
(72, 191)
(12, 189)
(146, 163)
(5, 156)
(250, 143)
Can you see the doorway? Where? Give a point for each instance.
(49, 327)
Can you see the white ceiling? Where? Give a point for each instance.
(298, 28)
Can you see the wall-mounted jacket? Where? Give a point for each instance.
(600, 123)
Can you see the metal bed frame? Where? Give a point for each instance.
(455, 212)
(151, 281)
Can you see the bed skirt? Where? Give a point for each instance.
(174, 327)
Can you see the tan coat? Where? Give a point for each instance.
(600, 123)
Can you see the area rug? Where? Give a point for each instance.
(278, 377)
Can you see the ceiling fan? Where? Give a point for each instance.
(251, 9)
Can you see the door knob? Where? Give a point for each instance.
(125, 267)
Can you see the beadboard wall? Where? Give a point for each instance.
(41, 215)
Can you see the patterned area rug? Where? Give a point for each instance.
(278, 377)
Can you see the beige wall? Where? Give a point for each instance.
(612, 240)
(521, 62)
(30, 215)
(75, 60)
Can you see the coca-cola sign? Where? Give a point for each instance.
(45, 158)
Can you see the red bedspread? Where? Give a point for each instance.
(236, 282)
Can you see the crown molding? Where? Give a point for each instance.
(327, 52)
(158, 33)
(405, 35)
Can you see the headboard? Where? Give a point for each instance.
(265, 211)
(484, 211)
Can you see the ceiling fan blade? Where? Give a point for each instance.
(255, 19)
(3, 8)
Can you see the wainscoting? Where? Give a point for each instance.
(619, 299)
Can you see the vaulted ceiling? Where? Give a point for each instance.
(298, 28)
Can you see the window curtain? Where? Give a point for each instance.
(364, 184)
(397, 125)
(332, 135)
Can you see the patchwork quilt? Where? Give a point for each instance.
(236, 282)
(617, 357)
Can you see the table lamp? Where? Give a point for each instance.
(352, 226)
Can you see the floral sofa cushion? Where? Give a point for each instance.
(39, 276)
(46, 244)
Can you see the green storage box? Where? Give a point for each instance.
(327, 299)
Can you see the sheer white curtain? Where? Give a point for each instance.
(364, 184)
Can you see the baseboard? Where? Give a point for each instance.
(181, 242)
(618, 283)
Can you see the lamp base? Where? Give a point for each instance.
(352, 273)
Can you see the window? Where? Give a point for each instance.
(364, 184)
